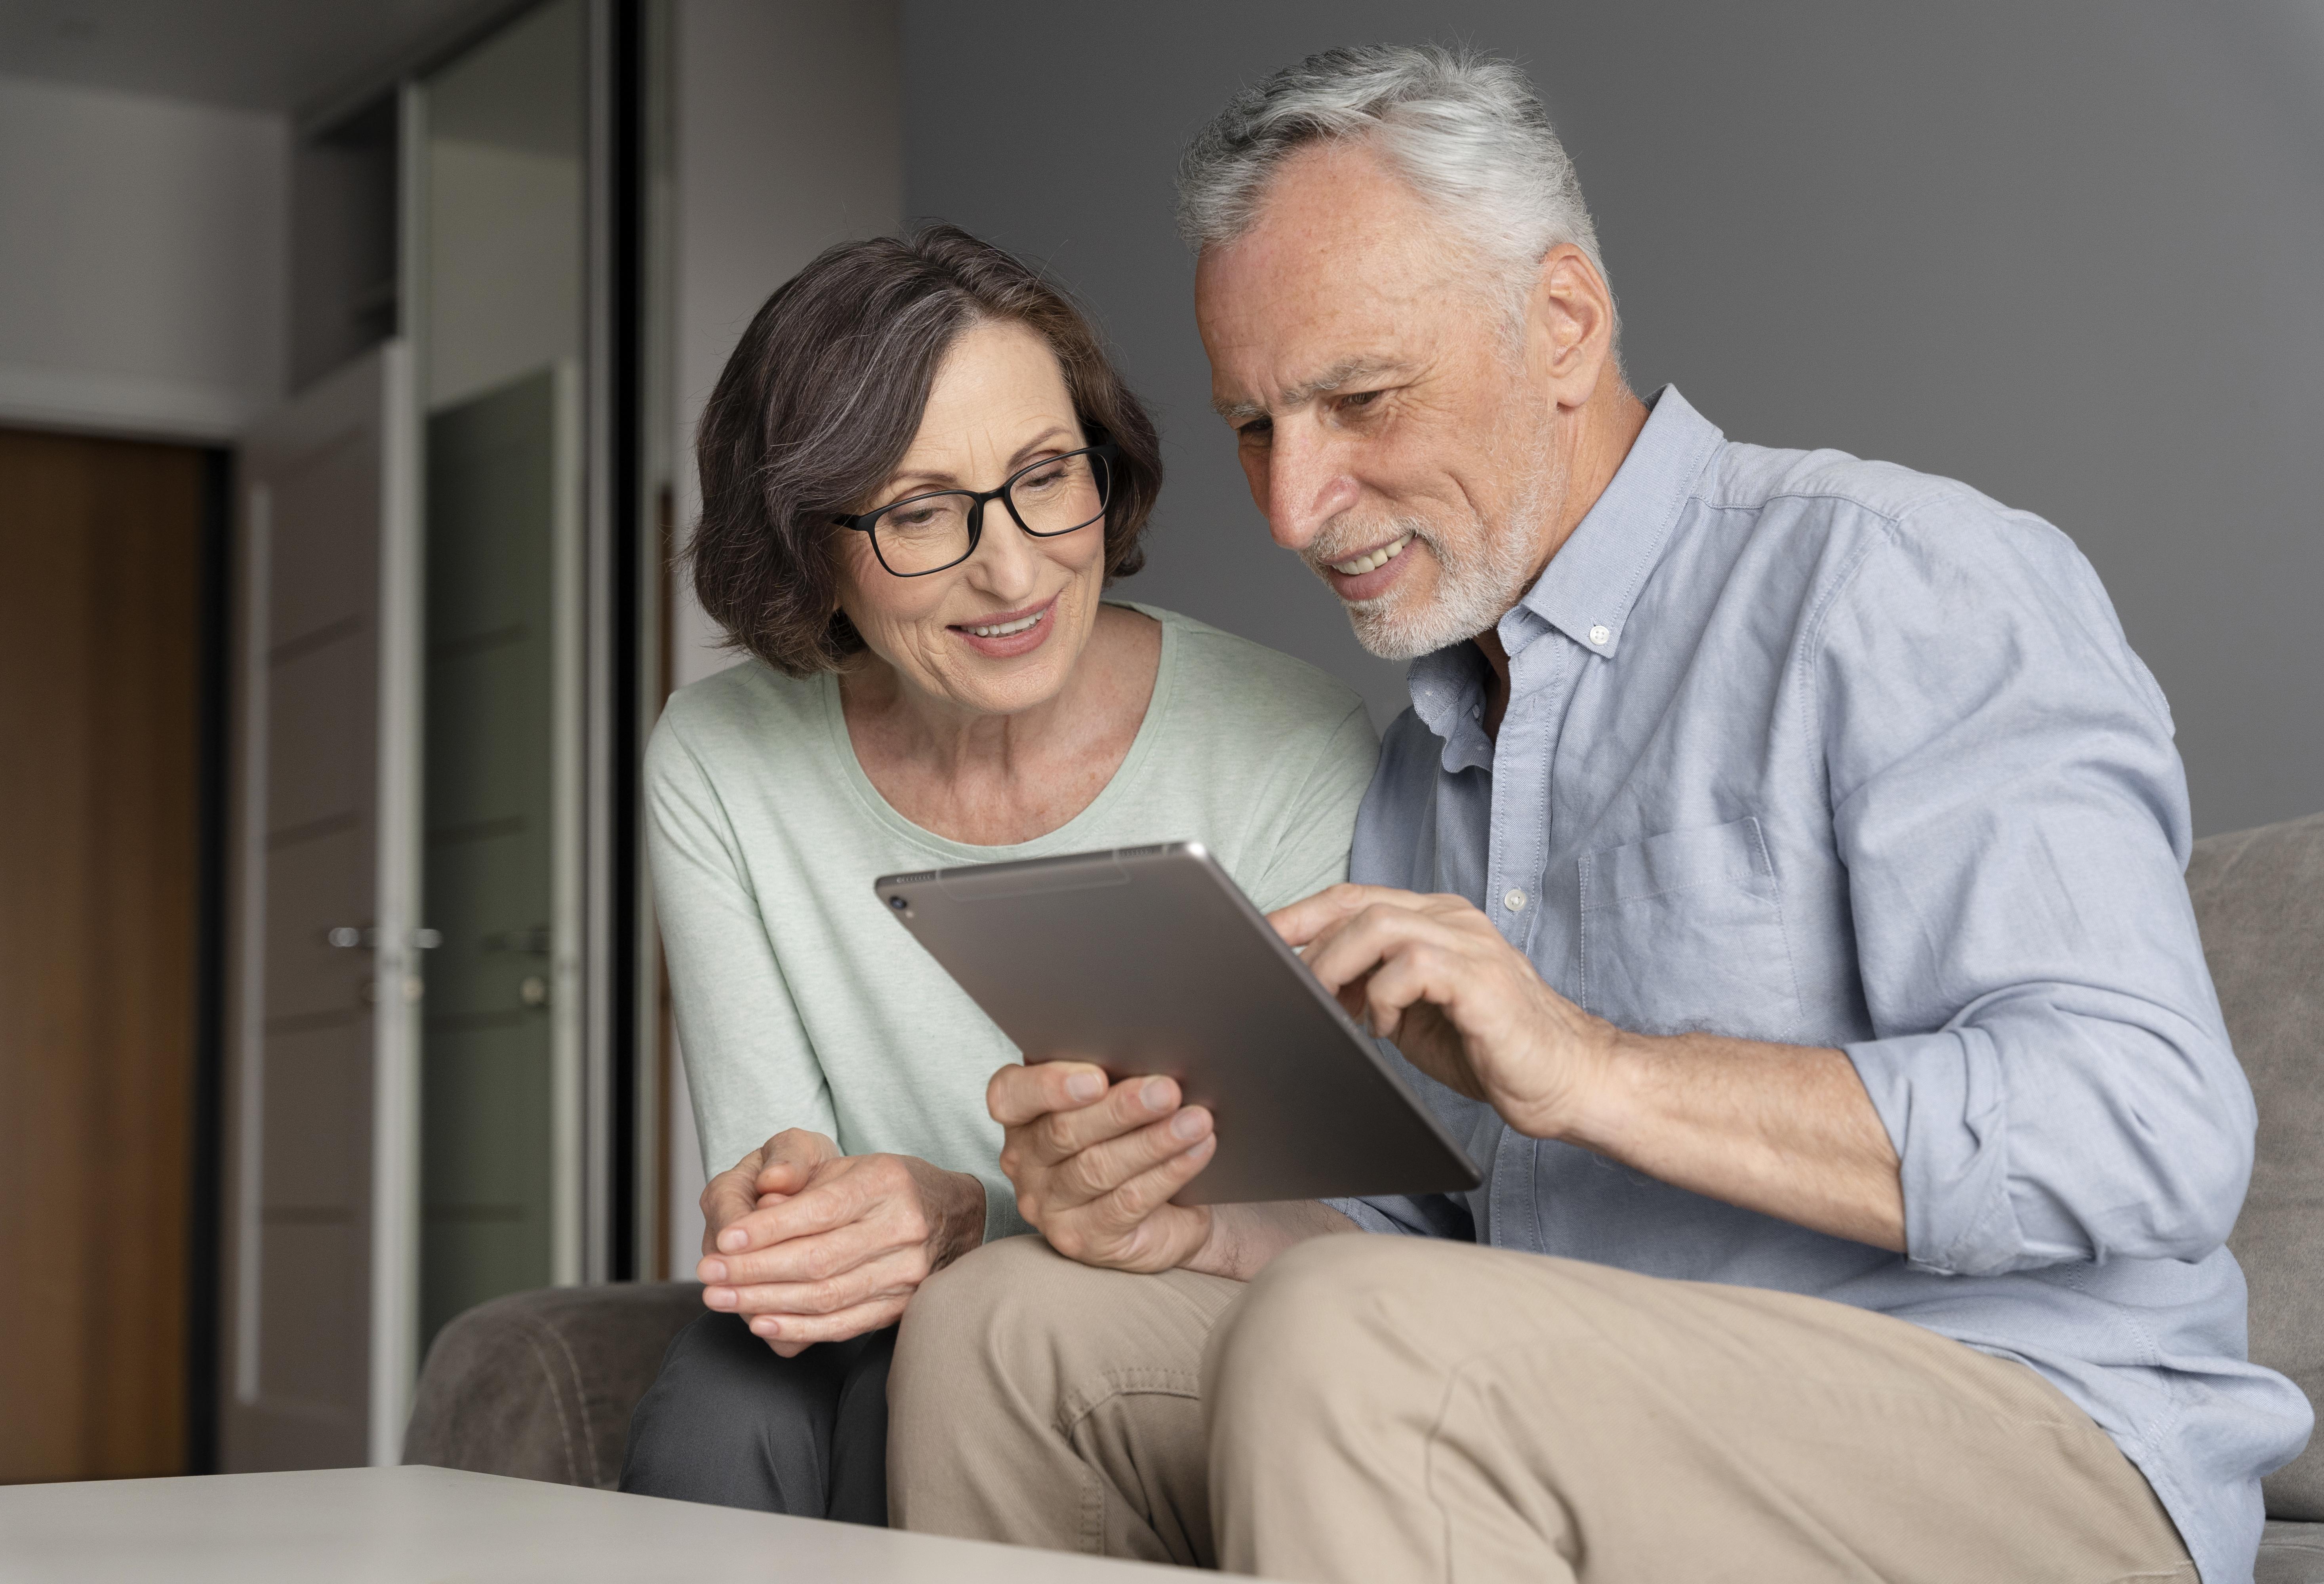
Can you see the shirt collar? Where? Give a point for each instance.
(1448, 695)
(1587, 589)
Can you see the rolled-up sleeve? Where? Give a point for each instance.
(2050, 1063)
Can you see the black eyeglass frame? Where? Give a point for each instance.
(1105, 451)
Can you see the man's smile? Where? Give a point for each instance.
(1357, 565)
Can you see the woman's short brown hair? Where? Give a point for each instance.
(823, 397)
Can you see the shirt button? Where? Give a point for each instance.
(1514, 901)
(1600, 634)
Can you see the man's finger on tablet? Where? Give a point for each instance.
(1310, 917)
(1361, 942)
(1022, 1091)
(1100, 1169)
(1348, 936)
(1417, 971)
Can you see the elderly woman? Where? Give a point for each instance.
(919, 475)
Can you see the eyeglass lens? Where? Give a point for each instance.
(930, 532)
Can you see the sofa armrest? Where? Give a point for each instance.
(2259, 897)
(541, 1385)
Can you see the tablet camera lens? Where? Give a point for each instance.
(897, 903)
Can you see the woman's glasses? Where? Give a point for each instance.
(927, 533)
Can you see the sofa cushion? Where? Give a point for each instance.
(2291, 1553)
(2259, 897)
(539, 1385)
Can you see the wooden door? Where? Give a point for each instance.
(321, 1085)
(100, 662)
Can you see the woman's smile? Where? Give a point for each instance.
(1007, 634)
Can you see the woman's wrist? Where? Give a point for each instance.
(960, 1220)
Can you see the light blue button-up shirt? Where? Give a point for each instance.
(1806, 749)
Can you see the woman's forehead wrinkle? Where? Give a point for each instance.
(997, 395)
(987, 443)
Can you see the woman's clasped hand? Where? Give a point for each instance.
(812, 1245)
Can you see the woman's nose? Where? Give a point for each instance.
(1007, 559)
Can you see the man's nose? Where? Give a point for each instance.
(1307, 485)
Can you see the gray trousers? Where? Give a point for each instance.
(730, 1423)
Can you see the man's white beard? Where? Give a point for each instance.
(1476, 584)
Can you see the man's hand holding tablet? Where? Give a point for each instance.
(1096, 1164)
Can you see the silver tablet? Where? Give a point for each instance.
(1149, 960)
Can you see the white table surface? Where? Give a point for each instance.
(417, 1526)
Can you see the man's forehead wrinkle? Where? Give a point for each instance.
(1312, 280)
(1344, 373)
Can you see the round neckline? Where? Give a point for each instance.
(875, 803)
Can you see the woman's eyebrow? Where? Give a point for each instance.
(943, 480)
(1040, 442)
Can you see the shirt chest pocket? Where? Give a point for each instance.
(1685, 931)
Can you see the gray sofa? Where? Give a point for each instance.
(541, 1385)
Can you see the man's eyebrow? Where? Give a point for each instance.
(1341, 374)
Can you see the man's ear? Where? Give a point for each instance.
(1568, 325)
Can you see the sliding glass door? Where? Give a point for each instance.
(505, 246)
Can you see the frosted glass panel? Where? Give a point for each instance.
(505, 245)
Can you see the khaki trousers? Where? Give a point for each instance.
(1400, 1409)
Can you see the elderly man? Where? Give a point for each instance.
(1777, 882)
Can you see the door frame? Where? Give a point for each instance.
(393, 1212)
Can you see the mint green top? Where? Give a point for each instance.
(801, 1003)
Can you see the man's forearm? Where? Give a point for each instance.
(1244, 1237)
(1786, 1130)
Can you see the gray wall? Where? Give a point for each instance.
(2069, 253)
(786, 138)
(141, 246)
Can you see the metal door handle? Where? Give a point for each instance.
(346, 937)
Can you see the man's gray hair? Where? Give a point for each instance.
(1464, 129)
